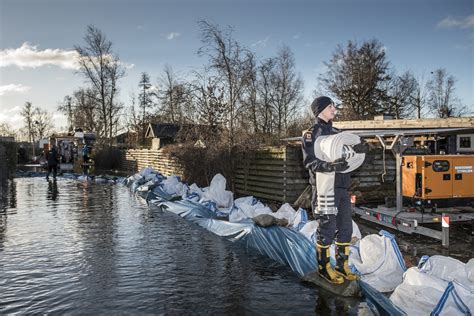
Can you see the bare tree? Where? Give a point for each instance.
(102, 69)
(249, 96)
(442, 99)
(28, 117)
(357, 76)
(227, 58)
(400, 92)
(265, 71)
(419, 97)
(132, 118)
(286, 89)
(43, 122)
(66, 108)
(7, 130)
(84, 110)
(208, 97)
(173, 96)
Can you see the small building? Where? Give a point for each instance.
(162, 134)
(128, 139)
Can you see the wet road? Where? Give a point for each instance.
(80, 248)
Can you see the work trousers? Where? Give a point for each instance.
(52, 168)
(341, 223)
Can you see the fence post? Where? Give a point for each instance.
(285, 159)
(445, 230)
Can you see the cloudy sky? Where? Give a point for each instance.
(37, 39)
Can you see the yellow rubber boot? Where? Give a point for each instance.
(342, 262)
(325, 269)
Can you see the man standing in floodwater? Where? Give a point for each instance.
(53, 159)
(324, 110)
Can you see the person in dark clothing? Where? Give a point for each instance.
(324, 110)
(85, 154)
(53, 158)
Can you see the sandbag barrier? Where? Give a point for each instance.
(375, 258)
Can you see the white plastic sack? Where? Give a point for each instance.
(446, 268)
(300, 219)
(287, 212)
(146, 171)
(419, 293)
(247, 207)
(424, 293)
(379, 261)
(217, 192)
(356, 235)
(172, 185)
(470, 270)
(309, 230)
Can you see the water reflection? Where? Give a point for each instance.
(7, 205)
(95, 249)
(52, 190)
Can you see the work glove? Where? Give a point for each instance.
(337, 165)
(362, 147)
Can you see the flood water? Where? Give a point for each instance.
(80, 248)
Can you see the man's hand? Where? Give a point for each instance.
(362, 147)
(337, 165)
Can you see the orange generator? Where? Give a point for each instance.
(438, 181)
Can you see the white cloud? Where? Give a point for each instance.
(261, 43)
(13, 88)
(462, 23)
(128, 66)
(28, 56)
(297, 36)
(172, 35)
(13, 119)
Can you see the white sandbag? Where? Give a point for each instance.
(217, 193)
(356, 235)
(84, 178)
(244, 209)
(287, 212)
(456, 300)
(300, 219)
(424, 293)
(100, 180)
(445, 268)
(172, 185)
(470, 270)
(378, 261)
(195, 189)
(309, 230)
(419, 293)
(146, 171)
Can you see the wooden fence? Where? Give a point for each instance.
(273, 173)
(134, 160)
(277, 173)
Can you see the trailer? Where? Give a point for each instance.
(412, 222)
(411, 219)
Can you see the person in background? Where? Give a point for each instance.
(324, 110)
(52, 157)
(85, 154)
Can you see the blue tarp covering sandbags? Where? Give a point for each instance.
(433, 287)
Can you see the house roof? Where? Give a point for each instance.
(162, 130)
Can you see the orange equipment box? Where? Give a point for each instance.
(439, 181)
